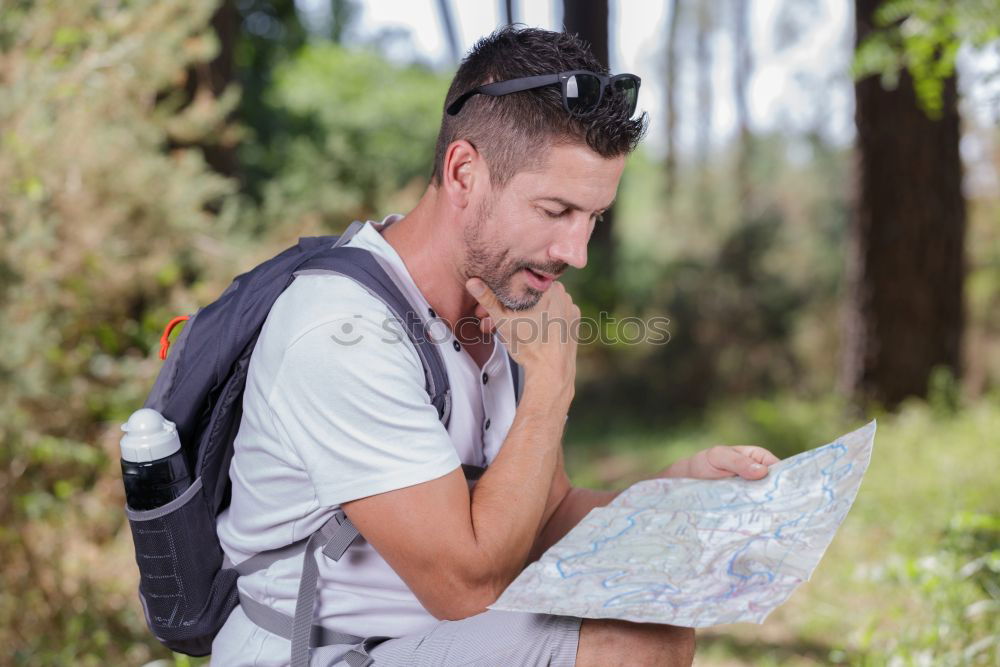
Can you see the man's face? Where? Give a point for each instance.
(524, 236)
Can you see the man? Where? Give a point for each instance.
(336, 414)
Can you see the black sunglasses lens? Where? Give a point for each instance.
(629, 87)
(583, 91)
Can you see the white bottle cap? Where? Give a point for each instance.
(148, 437)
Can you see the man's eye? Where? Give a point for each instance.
(555, 214)
(599, 218)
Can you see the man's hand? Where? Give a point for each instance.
(542, 339)
(747, 461)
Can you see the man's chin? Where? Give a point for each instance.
(526, 300)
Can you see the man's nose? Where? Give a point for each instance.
(571, 247)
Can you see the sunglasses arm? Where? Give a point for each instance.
(503, 88)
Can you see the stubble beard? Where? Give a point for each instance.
(489, 262)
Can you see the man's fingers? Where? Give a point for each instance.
(758, 454)
(485, 296)
(732, 460)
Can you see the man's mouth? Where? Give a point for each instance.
(540, 281)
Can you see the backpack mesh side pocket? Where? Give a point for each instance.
(185, 593)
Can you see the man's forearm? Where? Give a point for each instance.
(508, 502)
(574, 506)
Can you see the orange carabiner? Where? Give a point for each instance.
(165, 338)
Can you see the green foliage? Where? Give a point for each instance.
(107, 233)
(751, 295)
(924, 37)
(93, 213)
(959, 582)
(786, 423)
(943, 392)
(355, 131)
(270, 34)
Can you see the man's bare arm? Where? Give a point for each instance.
(569, 504)
(458, 551)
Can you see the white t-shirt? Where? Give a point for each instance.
(336, 409)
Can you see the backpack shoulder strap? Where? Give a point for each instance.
(516, 377)
(338, 533)
(365, 269)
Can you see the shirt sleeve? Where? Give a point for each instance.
(350, 401)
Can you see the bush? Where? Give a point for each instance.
(98, 221)
(355, 131)
(959, 581)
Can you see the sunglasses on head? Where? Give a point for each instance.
(582, 90)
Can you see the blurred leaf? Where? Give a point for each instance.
(924, 37)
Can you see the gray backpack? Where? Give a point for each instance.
(186, 586)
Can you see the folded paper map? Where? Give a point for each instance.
(696, 552)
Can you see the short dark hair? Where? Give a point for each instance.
(510, 129)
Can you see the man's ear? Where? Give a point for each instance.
(463, 165)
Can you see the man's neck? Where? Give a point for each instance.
(429, 245)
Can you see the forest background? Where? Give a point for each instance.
(151, 150)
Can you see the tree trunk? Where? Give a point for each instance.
(906, 261)
(213, 78)
(703, 61)
(342, 15)
(508, 12)
(589, 20)
(670, 163)
(742, 67)
(448, 27)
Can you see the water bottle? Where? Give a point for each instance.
(153, 464)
